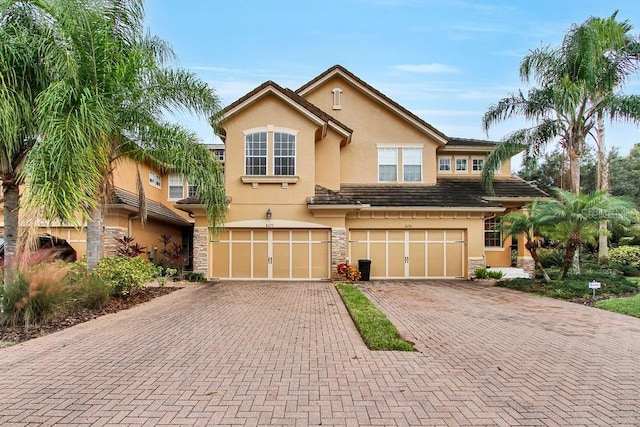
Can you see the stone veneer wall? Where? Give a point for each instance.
(473, 263)
(110, 245)
(527, 264)
(338, 250)
(200, 250)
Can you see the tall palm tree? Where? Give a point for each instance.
(525, 224)
(574, 219)
(603, 53)
(29, 61)
(114, 106)
(564, 108)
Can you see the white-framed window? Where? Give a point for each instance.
(191, 189)
(336, 98)
(477, 163)
(155, 179)
(255, 153)
(444, 164)
(284, 153)
(412, 164)
(176, 186)
(219, 154)
(387, 164)
(492, 234)
(461, 164)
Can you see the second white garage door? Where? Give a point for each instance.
(410, 253)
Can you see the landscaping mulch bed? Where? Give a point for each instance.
(10, 335)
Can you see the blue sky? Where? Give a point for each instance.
(445, 60)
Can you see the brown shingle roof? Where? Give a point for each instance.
(447, 193)
(469, 142)
(375, 91)
(155, 209)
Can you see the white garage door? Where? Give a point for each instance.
(410, 253)
(278, 254)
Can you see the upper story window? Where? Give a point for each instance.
(336, 98)
(255, 153)
(284, 154)
(412, 164)
(444, 164)
(390, 157)
(219, 154)
(477, 164)
(461, 164)
(492, 234)
(176, 186)
(191, 189)
(387, 164)
(155, 180)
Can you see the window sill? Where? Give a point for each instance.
(494, 248)
(269, 179)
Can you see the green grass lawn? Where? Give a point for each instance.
(377, 331)
(625, 305)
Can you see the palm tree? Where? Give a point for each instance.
(111, 107)
(574, 219)
(29, 59)
(565, 107)
(603, 54)
(525, 224)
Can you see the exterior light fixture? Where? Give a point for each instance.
(269, 213)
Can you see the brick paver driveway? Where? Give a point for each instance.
(288, 354)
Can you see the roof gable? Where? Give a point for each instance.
(304, 107)
(370, 91)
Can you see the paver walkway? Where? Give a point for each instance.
(288, 354)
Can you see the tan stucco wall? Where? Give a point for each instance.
(372, 124)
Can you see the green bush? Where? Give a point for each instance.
(126, 275)
(36, 295)
(626, 255)
(551, 257)
(193, 276)
(483, 273)
(627, 270)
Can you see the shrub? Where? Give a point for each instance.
(551, 257)
(128, 248)
(626, 255)
(627, 270)
(36, 295)
(348, 272)
(125, 275)
(483, 273)
(194, 277)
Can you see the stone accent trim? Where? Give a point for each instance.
(338, 250)
(474, 263)
(527, 264)
(109, 243)
(201, 250)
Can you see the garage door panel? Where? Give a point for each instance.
(396, 259)
(378, 257)
(241, 259)
(455, 252)
(281, 260)
(320, 257)
(300, 260)
(435, 259)
(220, 259)
(417, 259)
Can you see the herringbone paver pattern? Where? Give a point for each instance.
(288, 354)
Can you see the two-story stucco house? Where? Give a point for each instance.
(336, 171)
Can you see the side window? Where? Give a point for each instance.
(444, 164)
(176, 186)
(412, 164)
(492, 234)
(255, 153)
(387, 164)
(284, 154)
(461, 165)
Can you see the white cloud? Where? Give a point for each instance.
(433, 68)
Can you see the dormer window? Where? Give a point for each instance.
(336, 98)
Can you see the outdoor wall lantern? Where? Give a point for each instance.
(269, 213)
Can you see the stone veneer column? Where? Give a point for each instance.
(527, 264)
(110, 245)
(338, 250)
(201, 250)
(474, 263)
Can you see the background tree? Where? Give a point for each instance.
(625, 175)
(551, 171)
